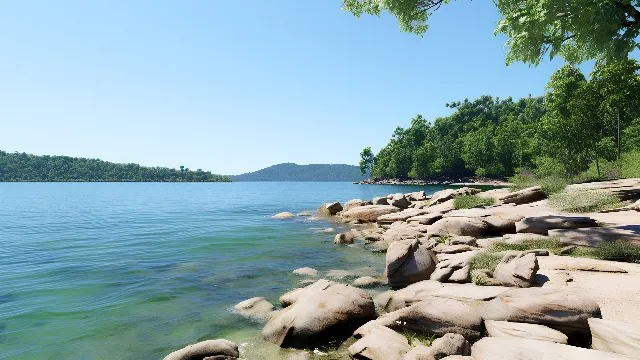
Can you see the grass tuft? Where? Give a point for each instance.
(550, 184)
(551, 244)
(413, 337)
(621, 251)
(484, 260)
(471, 201)
(584, 201)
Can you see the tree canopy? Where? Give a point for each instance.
(576, 30)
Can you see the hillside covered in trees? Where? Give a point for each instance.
(579, 125)
(27, 167)
(294, 172)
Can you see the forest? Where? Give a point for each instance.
(580, 128)
(26, 167)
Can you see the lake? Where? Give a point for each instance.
(137, 270)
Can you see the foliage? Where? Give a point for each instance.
(576, 30)
(584, 201)
(551, 244)
(367, 160)
(415, 337)
(549, 184)
(622, 251)
(471, 201)
(26, 167)
(294, 172)
(484, 260)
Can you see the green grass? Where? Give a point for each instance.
(621, 251)
(413, 337)
(552, 184)
(442, 239)
(553, 245)
(484, 260)
(584, 201)
(471, 201)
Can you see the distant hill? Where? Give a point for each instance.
(312, 172)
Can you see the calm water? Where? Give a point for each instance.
(135, 271)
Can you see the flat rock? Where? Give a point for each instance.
(441, 208)
(594, 236)
(379, 343)
(517, 269)
(283, 215)
(401, 216)
(217, 349)
(453, 249)
(493, 348)
(352, 204)
(367, 281)
(417, 196)
(325, 312)
(462, 240)
(584, 264)
(542, 224)
(409, 261)
(369, 213)
(523, 196)
(459, 226)
(255, 308)
(305, 213)
(624, 189)
(524, 331)
(327, 230)
(616, 337)
(426, 219)
(306, 271)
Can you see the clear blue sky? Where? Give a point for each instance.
(235, 86)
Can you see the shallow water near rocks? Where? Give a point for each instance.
(137, 270)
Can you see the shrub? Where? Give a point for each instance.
(471, 201)
(584, 201)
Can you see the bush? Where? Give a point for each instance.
(551, 244)
(471, 201)
(622, 251)
(584, 201)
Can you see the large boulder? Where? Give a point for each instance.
(324, 312)
(524, 196)
(456, 271)
(517, 269)
(542, 224)
(369, 213)
(524, 331)
(448, 194)
(379, 343)
(564, 311)
(492, 348)
(255, 308)
(330, 209)
(399, 201)
(401, 216)
(433, 315)
(352, 204)
(210, 349)
(459, 226)
(409, 261)
(449, 344)
(615, 337)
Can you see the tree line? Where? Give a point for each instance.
(27, 167)
(577, 124)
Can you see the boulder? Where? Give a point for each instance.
(283, 215)
(400, 216)
(417, 196)
(211, 349)
(459, 226)
(306, 271)
(339, 274)
(352, 204)
(442, 208)
(369, 213)
(433, 315)
(453, 249)
(324, 312)
(524, 196)
(594, 236)
(524, 331)
(291, 297)
(500, 223)
(448, 194)
(367, 281)
(452, 271)
(399, 201)
(542, 224)
(402, 231)
(492, 348)
(345, 238)
(462, 240)
(426, 219)
(449, 344)
(558, 309)
(256, 308)
(380, 343)
(380, 201)
(517, 269)
(615, 337)
(408, 261)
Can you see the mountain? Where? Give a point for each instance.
(312, 172)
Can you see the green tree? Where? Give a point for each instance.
(367, 159)
(577, 30)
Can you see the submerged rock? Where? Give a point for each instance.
(345, 238)
(256, 308)
(283, 215)
(306, 271)
(209, 349)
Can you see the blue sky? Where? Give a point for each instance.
(235, 86)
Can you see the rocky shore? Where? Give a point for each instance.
(501, 281)
(443, 181)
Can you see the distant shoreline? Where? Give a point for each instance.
(444, 181)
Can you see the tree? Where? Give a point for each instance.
(367, 160)
(576, 30)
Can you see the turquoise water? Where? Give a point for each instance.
(137, 270)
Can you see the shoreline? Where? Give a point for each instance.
(464, 181)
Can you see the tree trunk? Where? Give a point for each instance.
(618, 131)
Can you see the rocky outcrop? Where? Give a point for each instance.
(257, 308)
(615, 337)
(517, 269)
(352, 204)
(401, 216)
(408, 261)
(369, 213)
(399, 201)
(561, 310)
(524, 196)
(433, 315)
(493, 348)
(210, 349)
(448, 194)
(459, 226)
(449, 344)
(379, 343)
(324, 312)
(283, 215)
(542, 224)
(524, 331)
(456, 271)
